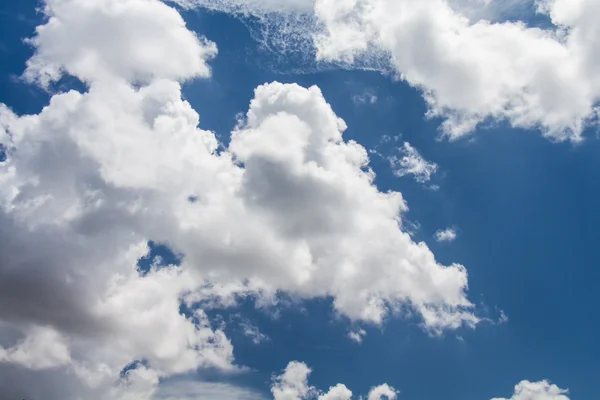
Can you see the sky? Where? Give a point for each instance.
(302, 199)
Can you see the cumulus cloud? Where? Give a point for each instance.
(445, 235)
(292, 384)
(471, 65)
(87, 183)
(543, 390)
(412, 163)
(137, 40)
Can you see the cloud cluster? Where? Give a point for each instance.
(292, 384)
(288, 207)
(471, 66)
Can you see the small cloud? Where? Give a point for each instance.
(365, 98)
(412, 163)
(445, 235)
(357, 335)
(253, 333)
(503, 319)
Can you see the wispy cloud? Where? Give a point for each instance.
(410, 162)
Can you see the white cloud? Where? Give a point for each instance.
(292, 384)
(365, 98)
(253, 332)
(383, 392)
(357, 335)
(137, 40)
(537, 391)
(412, 163)
(288, 207)
(445, 235)
(469, 69)
(337, 392)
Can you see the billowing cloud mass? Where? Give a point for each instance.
(469, 69)
(289, 207)
(292, 384)
(543, 390)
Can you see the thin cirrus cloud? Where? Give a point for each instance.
(471, 66)
(96, 175)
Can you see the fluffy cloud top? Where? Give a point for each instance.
(288, 207)
(537, 391)
(471, 66)
(138, 40)
(470, 71)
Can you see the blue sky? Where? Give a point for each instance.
(523, 207)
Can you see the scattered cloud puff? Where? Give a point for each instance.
(445, 235)
(537, 391)
(88, 182)
(357, 335)
(412, 163)
(470, 64)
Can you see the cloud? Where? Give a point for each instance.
(253, 333)
(445, 235)
(412, 163)
(537, 391)
(288, 207)
(365, 98)
(471, 65)
(292, 384)
(383, 392)
(190, 388)
(357, 335)
(137, 40)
